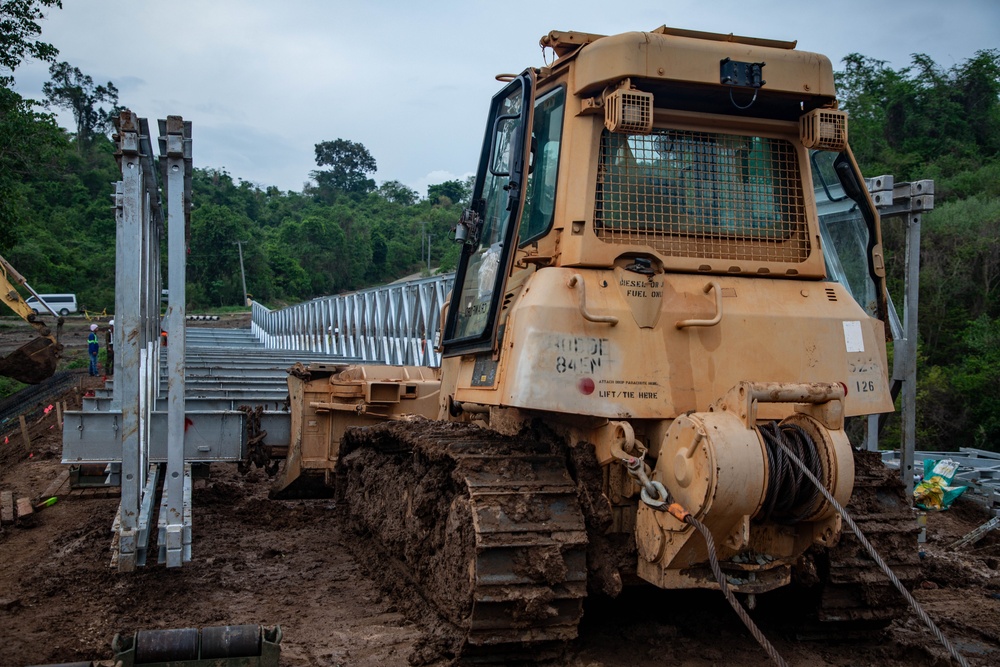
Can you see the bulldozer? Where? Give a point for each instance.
(36, 360)
(649, 313)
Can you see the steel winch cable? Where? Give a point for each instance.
(683, 515)
(782, 442)
(788, 497)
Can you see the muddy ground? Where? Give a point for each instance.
(293, 564)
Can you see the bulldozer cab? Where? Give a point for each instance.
(664, 169)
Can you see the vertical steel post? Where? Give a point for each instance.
(128, 283)
(243, 275)
(909, 389)
(177, 151)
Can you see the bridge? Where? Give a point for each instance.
(196, 399)
(210, 394)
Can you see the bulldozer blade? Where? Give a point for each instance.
(33, 362)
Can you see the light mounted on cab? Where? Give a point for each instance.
(824, 129)
(628, 111)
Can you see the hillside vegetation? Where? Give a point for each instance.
(344, 232)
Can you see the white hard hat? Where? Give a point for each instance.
(93, 327)
(111, 323)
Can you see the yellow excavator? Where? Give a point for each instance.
(36, 360)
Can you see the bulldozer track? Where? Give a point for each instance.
(29, 398)
(855, 590)
(488, 527)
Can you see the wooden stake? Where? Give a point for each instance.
(6, 508)
(24, 432)
(59, 410)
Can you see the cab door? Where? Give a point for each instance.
(488, 228)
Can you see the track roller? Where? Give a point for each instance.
(230, 641)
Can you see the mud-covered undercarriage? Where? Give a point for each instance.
(506, 535)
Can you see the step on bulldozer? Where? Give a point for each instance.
(671, 282)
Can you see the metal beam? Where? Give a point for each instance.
(275, 403)
(92, 437)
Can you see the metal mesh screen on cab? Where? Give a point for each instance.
(702, 194)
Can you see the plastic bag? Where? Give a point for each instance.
(935, 493)
(488, 271)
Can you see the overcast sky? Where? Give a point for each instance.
(264, 81)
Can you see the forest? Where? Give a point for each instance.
(344, 231)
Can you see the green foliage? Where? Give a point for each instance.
(960, 271)
(456, 192)
(298, 247)
(901, 121)
(18, 32)
(397, 193)
(9, 386)
(926, 122)
(31, 146)
(975, 381)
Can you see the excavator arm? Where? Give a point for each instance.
(36, 360)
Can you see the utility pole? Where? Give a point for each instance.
(423, 233)
(243, 275)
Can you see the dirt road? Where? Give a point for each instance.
(291, 563)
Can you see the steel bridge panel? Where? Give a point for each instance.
(92, 437)
(393, 324)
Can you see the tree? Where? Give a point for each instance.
(456, 191)
(32, 146)
(72, 89)
(901, 121)
(397, 193)
(18, 29)
(349, 162)
(213, 266)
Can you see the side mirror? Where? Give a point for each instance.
(848, 178)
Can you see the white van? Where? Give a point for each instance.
(64, 304)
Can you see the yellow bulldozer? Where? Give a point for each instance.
(651, 323)
(36, 360)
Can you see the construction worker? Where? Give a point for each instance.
(109, 346)
(92, 348)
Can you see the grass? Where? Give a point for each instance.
(9, 386)
(222, 310)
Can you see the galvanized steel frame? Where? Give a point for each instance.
(139, 226)
(135, 391)
(397, 324)
(176, 161)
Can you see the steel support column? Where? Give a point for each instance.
(175, 149)
(138, 222)
(906, 201)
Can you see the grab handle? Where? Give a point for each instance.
(576, 280)
(714, 285)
